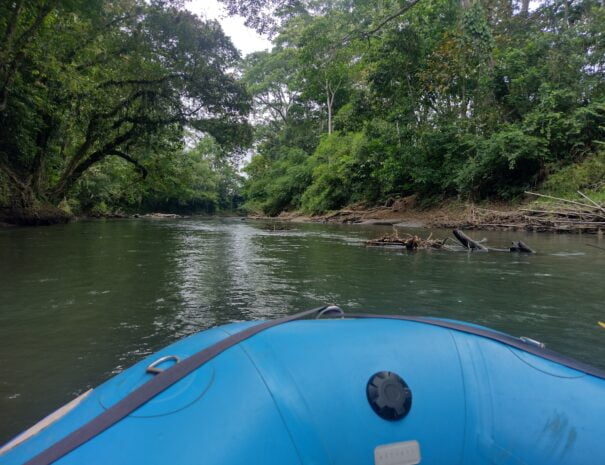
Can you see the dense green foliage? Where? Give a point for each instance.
(201, 179)
(97, 96)
(357, 102)
(587, 176)
(361, 101)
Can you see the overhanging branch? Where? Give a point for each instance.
(129, 159)
(115, 83)
(366, 34)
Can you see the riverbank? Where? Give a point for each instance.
(39, 215)
(529, 215)
(536, 213)
(7, 220)
(37, 219)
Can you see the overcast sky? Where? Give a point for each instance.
(245, 39)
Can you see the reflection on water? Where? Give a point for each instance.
(81, 302)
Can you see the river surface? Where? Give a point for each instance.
(81, 302)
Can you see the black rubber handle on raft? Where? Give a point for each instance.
(152, 388)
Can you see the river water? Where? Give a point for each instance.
(81, 302)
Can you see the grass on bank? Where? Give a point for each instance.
(587, 177)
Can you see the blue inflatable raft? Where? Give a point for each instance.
(352, 390)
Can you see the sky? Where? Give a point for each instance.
(245, 39)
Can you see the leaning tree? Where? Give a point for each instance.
(81, 81)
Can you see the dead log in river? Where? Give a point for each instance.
(471, 244)
(413, 242)
(410, 242)
(467, 242)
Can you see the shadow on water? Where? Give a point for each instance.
(83, 301)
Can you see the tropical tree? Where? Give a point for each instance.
(83, 81)
(270, 79)
(440, 98)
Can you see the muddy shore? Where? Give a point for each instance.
(405, 213)
(465, 216)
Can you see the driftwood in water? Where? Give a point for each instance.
(161, 215)
(471, 244)
(409, 242)
(275, 227)
(520, 246)
(467, 242)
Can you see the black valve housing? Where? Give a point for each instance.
(389, 395)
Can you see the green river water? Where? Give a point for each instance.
(81, 302)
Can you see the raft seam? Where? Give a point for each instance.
(464, 386)
(579, 376)
(502, 338)
(281, 416)
(149, 390)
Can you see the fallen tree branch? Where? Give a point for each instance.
(559, 199)
(414, 242)
(467, 242)
(410, 242)
(592, 201)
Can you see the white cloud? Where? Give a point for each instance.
(245, 39)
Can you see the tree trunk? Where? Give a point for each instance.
(28, 208)
(525, 7)
(15, 53)
(329, 117)
(329, 102)
(566, 12)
